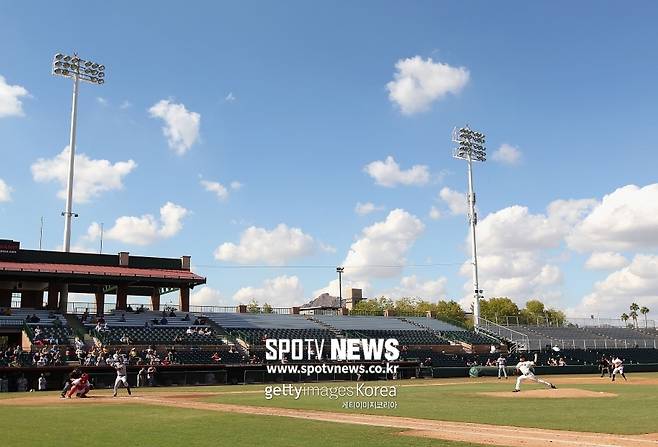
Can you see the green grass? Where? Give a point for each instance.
(633, 411)
(94, 423)
(147, 425)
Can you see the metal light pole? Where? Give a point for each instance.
(340, 271)
(78, 70)
(471, 148)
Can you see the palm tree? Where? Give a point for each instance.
(634, 308)
(624, 317)
(633, 316)
(644, 310)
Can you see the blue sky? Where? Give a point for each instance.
(294, 100)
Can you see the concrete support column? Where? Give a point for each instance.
(184, 299)
(100, 301)
(122, 297)
(5, 298)
(242, 308)
(32, 298)
(155, 299)
(294, 310)
(53, 295)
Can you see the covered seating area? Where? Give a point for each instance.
(37, 274)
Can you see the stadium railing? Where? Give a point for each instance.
(521, 340)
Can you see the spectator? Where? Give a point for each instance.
(123, 318)
(216, 358)
(21, 383)
(34, 319)
(130, 308)
(196, 322)
(187, 317)
(150, 375)
(172, 314)
(141, 377)
(163, 321)
(42, 383)
(190, 331)
(562, 362)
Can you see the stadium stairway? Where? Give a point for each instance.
(337, 332)
(240, 345)
(76, 325)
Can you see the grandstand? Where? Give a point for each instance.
(571, 336)
(146, 328)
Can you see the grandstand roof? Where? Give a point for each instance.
(72, 270)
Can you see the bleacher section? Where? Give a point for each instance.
(51, 327)
(452, 332)
(410, 337)
(586, 337)
(146, 328)
(255, 328)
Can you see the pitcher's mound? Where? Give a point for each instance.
(560, 393)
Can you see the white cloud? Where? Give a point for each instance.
(207, 296)
(363, 209)
(92, 177)
(102, 101)
(435, 214)
(413, 287)
(607, 260)
(517, 275)
(220, 190)
(125, 105)
(456, 201)
(145, 229)
(512, 245)
(181, 126)
(388, 173)
(635, 283)
(282, 291)
(383, 246)
(5, 191)
(217, 188)
(626, 219)
(10, 102)
(230, 97)
(417, 83)
(273, 247)
(507, 154)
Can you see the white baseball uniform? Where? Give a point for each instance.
(618, 365)
(501, 362)
(527, 374)
(121, 377)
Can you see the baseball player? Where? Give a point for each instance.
(527, 374)
(79, 387)
(75, 374)
(618, 365)
(502, 362)
(604, 366)
(120, 368)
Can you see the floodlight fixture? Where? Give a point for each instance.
(470, 147)
(77, 69)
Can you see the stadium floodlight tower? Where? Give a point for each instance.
(471, 148)
(77, 69)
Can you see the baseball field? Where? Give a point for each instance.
(583, 411)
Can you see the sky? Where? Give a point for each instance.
(274, 141)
